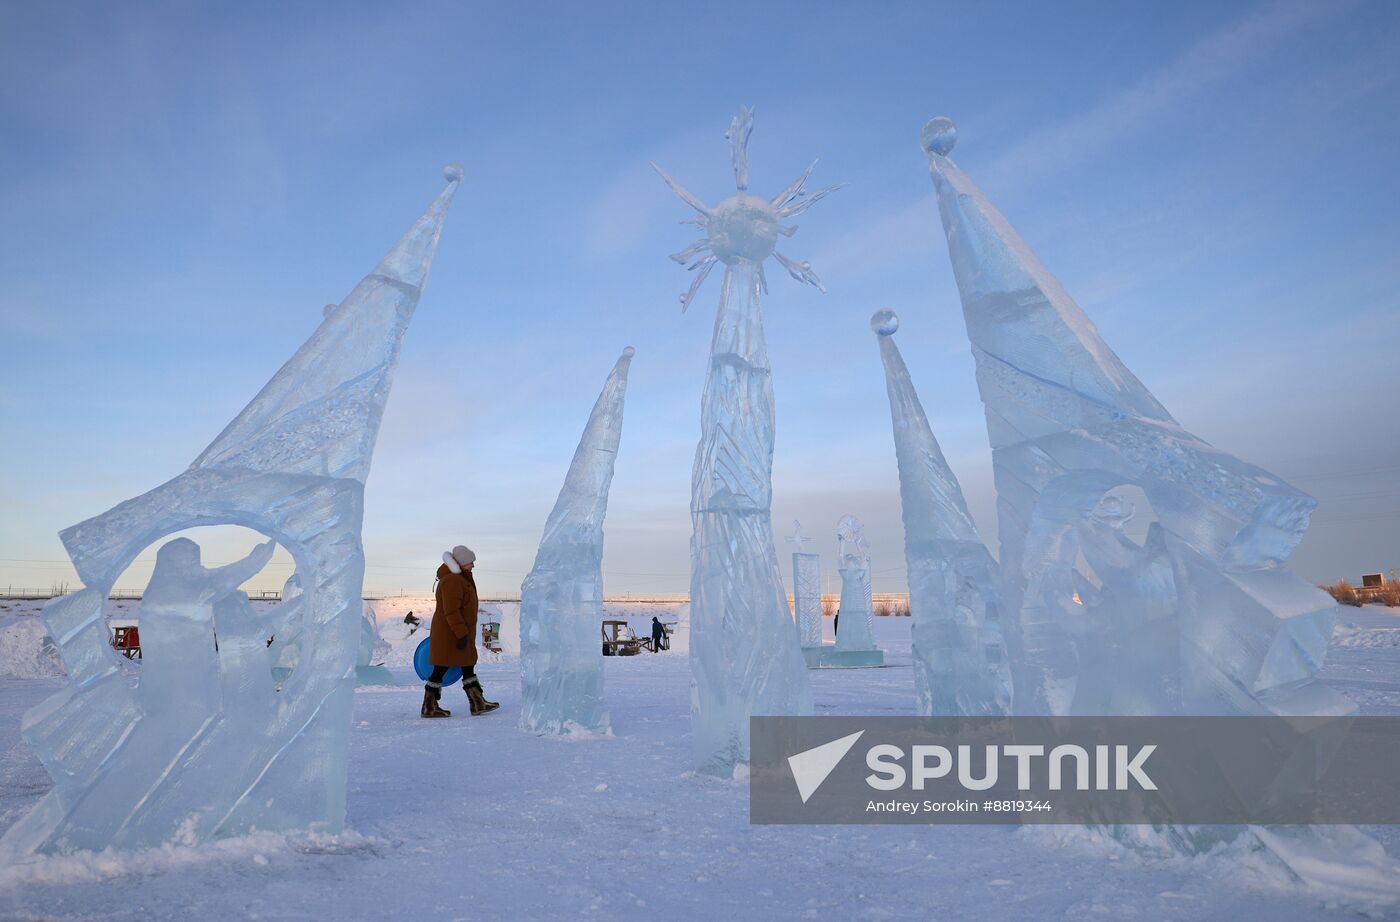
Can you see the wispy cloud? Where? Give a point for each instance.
(1207, 63)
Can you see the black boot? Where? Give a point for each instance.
(431, 708)
(477, 698)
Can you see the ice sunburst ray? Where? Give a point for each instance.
(682, 192)
(802, 271)
(695, 249)
(801, 201)
(794, 190)
(703, 266)
(738, 135)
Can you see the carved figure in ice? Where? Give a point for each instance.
(369, 659)
(745, 653)
(284, 651)
(561, 600)
(185, 754)
(960, 665)
(856, 627)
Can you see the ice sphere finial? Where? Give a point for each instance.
(939, 136)
(884, 321)
(453, 172)
(628, 352)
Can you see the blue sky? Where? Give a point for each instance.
(183, 186)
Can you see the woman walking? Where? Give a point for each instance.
(452, 640)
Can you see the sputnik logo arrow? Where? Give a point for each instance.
(811, 767)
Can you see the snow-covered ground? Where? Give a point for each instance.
(468, 818)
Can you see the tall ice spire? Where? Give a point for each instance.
(745, 653)
(960, 666)
(561, 600)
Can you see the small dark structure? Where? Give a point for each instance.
(618, 639)
(126, 640)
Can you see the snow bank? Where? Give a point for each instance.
(26, 652)
(1351, 636)
(254, 851)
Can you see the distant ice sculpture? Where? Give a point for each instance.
(201, 747)
(960, 666)
(806, 589)
(745, 653)
(561, 600)
(283, 647)
(856, 629)
(369, 661)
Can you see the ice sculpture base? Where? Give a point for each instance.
(828, 657)
(373, 675)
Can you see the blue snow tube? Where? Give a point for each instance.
(425, 668)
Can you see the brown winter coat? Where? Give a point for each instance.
(453, 619)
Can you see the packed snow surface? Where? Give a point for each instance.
(469, 818)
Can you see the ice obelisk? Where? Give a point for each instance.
(561, 601)
(806, 589)
(128, 768)
(745, 653)
(960, 666)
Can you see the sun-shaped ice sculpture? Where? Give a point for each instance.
(745, 228)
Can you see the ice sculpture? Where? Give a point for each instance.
(561, 600)
(284, 645)
(369, 660)
(745, 653)
(806, 589)
(855, 629)
(1202, 618)
(202, 747)
(960, 666)
(284, 649)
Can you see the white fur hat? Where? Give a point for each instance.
(463, 555)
